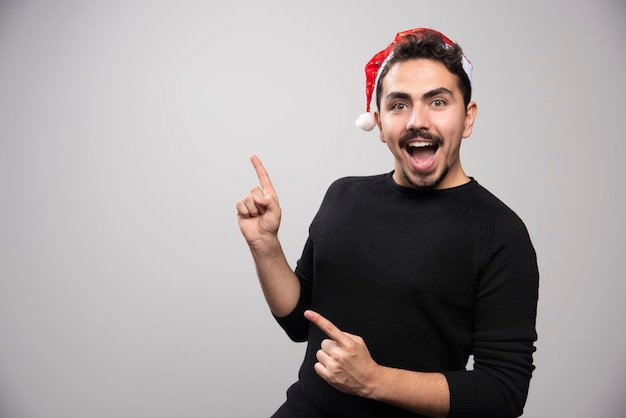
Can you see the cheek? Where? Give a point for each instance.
(450, 128)
(389, 129)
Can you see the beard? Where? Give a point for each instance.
(426, 181)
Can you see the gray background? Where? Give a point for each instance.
(126, 289)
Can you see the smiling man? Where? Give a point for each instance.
(405, 274)
(423, 119)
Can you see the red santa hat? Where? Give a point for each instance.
(374, 66)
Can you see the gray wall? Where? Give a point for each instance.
(126, 289)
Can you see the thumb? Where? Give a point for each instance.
(267, 200)
(267, 203)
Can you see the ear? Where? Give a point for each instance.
(470, 117)
(380, 127)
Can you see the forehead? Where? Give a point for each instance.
(420, 74)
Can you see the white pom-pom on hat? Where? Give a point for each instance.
(366, 120)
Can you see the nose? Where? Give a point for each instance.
(418, 119)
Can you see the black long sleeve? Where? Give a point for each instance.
(426, 278)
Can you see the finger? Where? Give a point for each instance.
(242, 210)
(328, 328)
(261, 173)
(323, 357)
(249, 207)
(327, 345)
(261, 200)
(322, 371)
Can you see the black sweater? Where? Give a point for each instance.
(426, 277)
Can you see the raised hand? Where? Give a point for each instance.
(343, 360)
(259, 212)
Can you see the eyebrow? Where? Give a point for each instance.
(432, 93)
(437, 92)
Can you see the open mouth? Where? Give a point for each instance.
(422, 152)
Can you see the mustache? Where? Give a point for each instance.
(421, 134)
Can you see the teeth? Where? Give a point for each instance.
(420, 144)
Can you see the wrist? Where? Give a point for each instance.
(266, 247)
(374, 382)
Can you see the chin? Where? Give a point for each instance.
(424, 181)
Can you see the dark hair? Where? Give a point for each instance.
(429, 44)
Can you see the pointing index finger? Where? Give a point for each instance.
(327, 327)
(261, 173)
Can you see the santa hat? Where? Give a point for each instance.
(374, 66)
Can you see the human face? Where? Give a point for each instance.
(422, 119)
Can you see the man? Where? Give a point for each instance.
(405, 274)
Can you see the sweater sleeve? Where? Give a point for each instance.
(504, 330)
(295, 324)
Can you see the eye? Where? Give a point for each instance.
(438, 103)
(398, 106)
